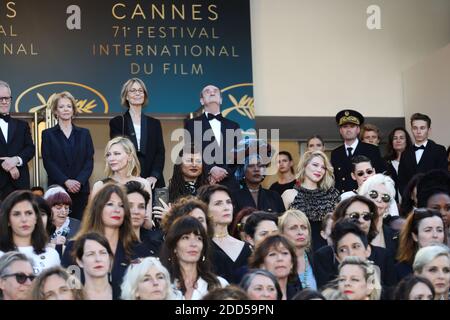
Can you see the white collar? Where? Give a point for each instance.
(423, 144)
(353, 145)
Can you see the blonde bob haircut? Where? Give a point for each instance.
(59, 96)
(371, 274)
(133, 166)
(136, 273)
(327, 181)
(127, 86)
(296, 214)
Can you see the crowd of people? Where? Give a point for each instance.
(353, 226)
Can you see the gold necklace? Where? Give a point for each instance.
(219, 236)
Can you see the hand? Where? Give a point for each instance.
(9, 163)
(160, 212)
(218, 173)
(152, 181)
(73, 186)
(59, 240)
(211, 180)
(14, 172)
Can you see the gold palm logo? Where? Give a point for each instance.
(245, 106)
(82, 105)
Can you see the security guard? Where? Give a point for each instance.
(349, 122)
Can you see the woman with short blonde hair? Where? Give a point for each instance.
(295, 226)
(141, 277)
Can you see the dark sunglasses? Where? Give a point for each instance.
(356, 215)
(384, 197)
(20, 277)
(361, 173)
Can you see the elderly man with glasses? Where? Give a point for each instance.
(16, 147)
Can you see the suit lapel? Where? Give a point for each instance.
(425, 155)
(61, 136)
(206, 126)
(2, 138)
(144, 131)
(129, 129)
(11, 130)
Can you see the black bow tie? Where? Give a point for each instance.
(217, 116)
(5, 117)
(418, 148)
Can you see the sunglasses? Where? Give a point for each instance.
(384, 197)
(356, 215)
(20, 277)
(361, 173)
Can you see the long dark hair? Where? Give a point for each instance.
(391, 154)
(182, 226)
(93, 222)
(408, 203)
(176, 183)
(39, 237)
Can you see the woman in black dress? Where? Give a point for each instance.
(220, 209)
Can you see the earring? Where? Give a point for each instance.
(204, 258)
(109, 277)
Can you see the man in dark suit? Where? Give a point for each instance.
(16, 147)
(424, 155)
(218, 137)
(349, 122)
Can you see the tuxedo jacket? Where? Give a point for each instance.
(197, 127)
(343, 166)
(61, 163)
(434, 157)
(152, 153)
(19, 144)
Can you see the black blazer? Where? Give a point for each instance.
(390, 170)
(268, 200)
(19, 144)
(61, 164)
(227, 161)
(434, 157)
(152, 153)
(343, 166)
(326, 265)
(120, 264)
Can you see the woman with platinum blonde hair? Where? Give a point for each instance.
(358, 279)
(147, 280)
(122, 164)
(381, 190)
(314, 192)
(294, 225)
(433, 263)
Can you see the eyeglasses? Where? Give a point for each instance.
(134, 91)
(21, 277)
(361, 173)
(6, 99)
(356, 215)
(384, 197)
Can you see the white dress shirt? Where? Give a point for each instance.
(4, 128)
(201, 289)
(137, 131)
(216, 126)
(353, 145)
(419, 152)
